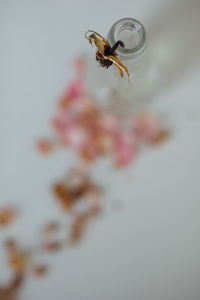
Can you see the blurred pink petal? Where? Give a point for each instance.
(146, 127)
(109, 123)
(77, 137)
(64, 120)
(76, 89)
(125, 150)
(86, 105)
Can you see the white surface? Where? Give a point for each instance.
(150, 249)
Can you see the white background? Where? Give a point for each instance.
(150, 249)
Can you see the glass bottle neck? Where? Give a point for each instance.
(132, 33)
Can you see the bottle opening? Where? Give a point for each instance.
(132, 33)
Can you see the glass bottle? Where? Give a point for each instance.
(121, 95)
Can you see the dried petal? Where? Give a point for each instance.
(104, 143)
(121, 67)
(64, 196)
(9, 292)
(7, 215)
(146, 127)
(18, 261)
(101, 37)
(39, 270)
(97, 42)
(161, 137)
(45, 146)
(78, 227)
(89, 152)
(64, 102)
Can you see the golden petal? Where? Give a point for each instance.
(120, 71)
(119, 64)
(97, 42)
(103, 39)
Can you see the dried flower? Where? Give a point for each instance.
(106, 55)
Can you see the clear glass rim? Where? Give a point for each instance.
(138, 27)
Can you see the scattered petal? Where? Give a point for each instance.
(76, 89)
(39, 270)
(146, 127)
(44, 146)
(161, 137)
(125, 150)
(7, 215)
(18, 261)
(10, 291)
(76, 137)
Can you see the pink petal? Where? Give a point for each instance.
(125, 150)
(64, 120)
(76, 89)
(77, 137)
(109, 123)
(146, 127)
